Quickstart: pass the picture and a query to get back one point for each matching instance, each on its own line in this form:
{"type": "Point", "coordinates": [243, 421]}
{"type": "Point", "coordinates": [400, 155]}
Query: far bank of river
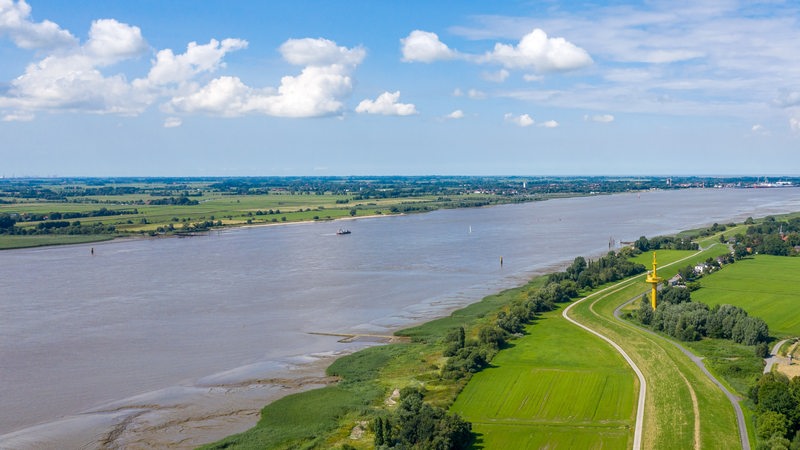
{"type": "Point", "coordinates": [173, 338]}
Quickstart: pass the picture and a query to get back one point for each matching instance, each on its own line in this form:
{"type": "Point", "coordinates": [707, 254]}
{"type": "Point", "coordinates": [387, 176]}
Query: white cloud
{"type": "Point", "coordinates": [111, 41]}
{"type": "Point", "coordinates": [171, 68]}
{"type": "Point", "coordinates": [15, 22]}
{"type": "Point", "coordinates": [72, 80]}
{"type": "Point", "coordinates": [523, 120]}
{"type": "Point", "coordinates": [794, 124]}
{"type": "Point", "coordinates": [424, 46]}
{"type": "Point", "coordinates": [496, 77]}
{"type": "Point", "coordinates": [320, 52]}
{"type": "Point", "coordinates": [387, 105]}
{"type": "Point", "coordinates": [457, 92]}
{"type": "Point", "coordinates": [172, 122]}
{"type": "Point", "coordinates": [723, 58]}
{"type": "Point", "coordinates": [541, 53]}
{"type": "Point", "coordinates": [549, 124]}
{"type": "Point", "coordinates": [319, 89]}
{"type": "Point", "coordinates": [457, 114]}
{"type": "Point", "coordinates": [601, 118]}
{"type": "Point", "coordinates": [531, 77]}
{"type": "Point", "coordinates": [535, 51]}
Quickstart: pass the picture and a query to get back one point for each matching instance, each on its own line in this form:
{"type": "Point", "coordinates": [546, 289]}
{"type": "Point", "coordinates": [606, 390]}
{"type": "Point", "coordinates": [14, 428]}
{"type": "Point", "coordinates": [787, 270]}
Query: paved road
{"type": "Point", "coordinates": [637, 431]}
{"type": "Point", "coordinates": [773, 357]}
{"type": "Point", "coordinates": [734, 399]}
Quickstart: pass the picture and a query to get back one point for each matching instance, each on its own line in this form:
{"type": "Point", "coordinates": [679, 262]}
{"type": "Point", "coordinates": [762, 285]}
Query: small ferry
{"type": "Point", "coordinates": [342, 231]}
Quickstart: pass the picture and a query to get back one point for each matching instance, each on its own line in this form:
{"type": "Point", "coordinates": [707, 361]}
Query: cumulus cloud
{"type": "Point", "coordinates": [70, 78]}
{"type": "Point", "coordinates": [15, 22]}
{"type": "Point", "coordinates": [424, 46]}
{"type": "Point", "coordinates": [111, 41]}
{"type": "Point", "coordinates": [320, 52]}
{"type": "Point", "coordinates": [549, 124]}
{"type": "Point", "coordinates": [535, 51]}
{"type": "Point", "coordinates": [319, 89]}
{"type": "Point", "coordinates": [539, 52]}
{"type": "Point", "coordinates": [523, 120]}
{"type": "Point", "coordinates": [386, 104]}
{"type": "Point", "coordinates": [600, 118]}
{"type": "Point", "coordinates": [794, 124]}
{"type": "Point", "coordinates": [457, 114]}
{"type": "Point", "coordinates": [172, 122]}
{"type": "Point", "coordinates": [171, 68]}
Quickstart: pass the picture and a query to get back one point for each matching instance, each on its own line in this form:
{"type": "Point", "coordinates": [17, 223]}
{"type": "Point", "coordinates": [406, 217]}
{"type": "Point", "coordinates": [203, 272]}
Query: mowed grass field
{"type": "Point", "coordinates": [557, 387]}
{"type": "Point", "coordinates": [765, 286]}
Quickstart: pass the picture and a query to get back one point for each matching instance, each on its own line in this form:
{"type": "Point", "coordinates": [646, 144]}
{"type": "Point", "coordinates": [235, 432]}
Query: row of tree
{"type": "Point", "coordinates": [53, 227]}
{"type": "Point", "coordinates": [679, 317]}
{"type": "Point", "coordinates": [667, 242]}
{"type": "Point", "coordinates": [613, 266]}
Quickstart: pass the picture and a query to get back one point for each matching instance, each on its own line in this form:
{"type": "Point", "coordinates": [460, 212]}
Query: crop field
{"type": "Point", "coordinates": [765, 286]}
{"type": "Point", "coordinates": [557, 387]}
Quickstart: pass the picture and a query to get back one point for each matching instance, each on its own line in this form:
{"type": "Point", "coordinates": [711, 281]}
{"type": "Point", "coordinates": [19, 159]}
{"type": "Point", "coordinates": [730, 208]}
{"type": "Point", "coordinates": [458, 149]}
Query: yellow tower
{"type": "Point", "coordinates": [653, 279]}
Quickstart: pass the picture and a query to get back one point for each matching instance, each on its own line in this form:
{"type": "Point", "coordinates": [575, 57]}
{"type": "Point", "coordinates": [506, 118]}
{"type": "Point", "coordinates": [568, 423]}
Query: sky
{"type": "Point", "coordinates": [415, 87]}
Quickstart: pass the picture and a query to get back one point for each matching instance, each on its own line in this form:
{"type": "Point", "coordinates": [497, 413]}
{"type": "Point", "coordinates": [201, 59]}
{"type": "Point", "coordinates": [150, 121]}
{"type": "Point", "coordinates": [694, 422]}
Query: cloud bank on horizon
{"type": "Point", "coordinates": [597, 66]}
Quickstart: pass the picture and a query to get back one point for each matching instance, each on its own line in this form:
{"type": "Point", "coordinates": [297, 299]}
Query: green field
{"type": "Point", "coordinates": [765, 286]}
{"type": "Point", "coordinates": [557, 387]}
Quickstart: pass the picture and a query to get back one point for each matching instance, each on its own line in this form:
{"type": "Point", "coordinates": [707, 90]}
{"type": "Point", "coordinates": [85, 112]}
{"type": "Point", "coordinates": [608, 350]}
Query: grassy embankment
{"type": "Point", "coordinates": [324, 418]}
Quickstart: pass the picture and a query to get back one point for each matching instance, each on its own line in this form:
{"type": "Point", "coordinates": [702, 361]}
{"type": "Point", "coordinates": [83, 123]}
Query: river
{"type": "Point", "coordinates": [188, 336]}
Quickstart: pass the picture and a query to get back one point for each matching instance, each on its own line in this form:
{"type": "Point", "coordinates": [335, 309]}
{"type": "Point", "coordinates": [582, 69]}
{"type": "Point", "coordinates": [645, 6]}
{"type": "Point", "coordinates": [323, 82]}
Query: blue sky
{"type": "Point", "coordinates": [235, 88]}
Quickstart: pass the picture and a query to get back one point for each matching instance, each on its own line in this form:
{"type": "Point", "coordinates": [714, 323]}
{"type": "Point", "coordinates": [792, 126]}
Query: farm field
{"type": "Point", "coordinates": [557, 387]}
{"type": "Point", "coordinates": [765, 286]}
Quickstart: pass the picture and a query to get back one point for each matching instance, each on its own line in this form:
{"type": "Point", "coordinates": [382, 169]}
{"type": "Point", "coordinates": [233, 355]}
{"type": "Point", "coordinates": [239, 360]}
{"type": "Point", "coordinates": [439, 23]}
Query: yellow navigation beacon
{"type": "Point", "coordinates": [653, 279]}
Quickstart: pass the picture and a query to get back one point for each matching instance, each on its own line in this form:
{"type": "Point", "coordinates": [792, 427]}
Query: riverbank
{"type": "Point", "coordinates": [179, 310]}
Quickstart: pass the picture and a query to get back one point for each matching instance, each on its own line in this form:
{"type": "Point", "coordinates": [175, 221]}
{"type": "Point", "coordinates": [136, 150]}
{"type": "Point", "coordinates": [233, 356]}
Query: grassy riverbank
{"type": "Point", "coordinates": [327, 417]}
{"type": "Point", "coordinates": [554, 385]}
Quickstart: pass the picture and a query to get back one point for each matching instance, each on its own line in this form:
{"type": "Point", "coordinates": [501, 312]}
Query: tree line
{"type": "Point", "coordinates": [678, 316]}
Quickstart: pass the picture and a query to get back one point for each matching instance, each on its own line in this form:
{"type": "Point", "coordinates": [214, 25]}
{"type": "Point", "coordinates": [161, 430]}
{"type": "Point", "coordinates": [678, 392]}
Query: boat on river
{"type": "Point", "coordinates": [341, 231]}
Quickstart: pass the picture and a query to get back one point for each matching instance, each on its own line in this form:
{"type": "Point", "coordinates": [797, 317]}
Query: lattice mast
{"type": "Point", "coordinates": [653, 279]}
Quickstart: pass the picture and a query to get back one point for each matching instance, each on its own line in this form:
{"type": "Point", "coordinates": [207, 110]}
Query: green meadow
{"type": "Point", "coordinates": [557, 387]}
{"type": "Point", "coordinates": [765, 286]}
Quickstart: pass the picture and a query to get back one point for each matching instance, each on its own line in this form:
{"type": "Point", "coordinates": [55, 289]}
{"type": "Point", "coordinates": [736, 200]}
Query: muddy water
{"type": "Point", "coordinates": [102, 349]}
